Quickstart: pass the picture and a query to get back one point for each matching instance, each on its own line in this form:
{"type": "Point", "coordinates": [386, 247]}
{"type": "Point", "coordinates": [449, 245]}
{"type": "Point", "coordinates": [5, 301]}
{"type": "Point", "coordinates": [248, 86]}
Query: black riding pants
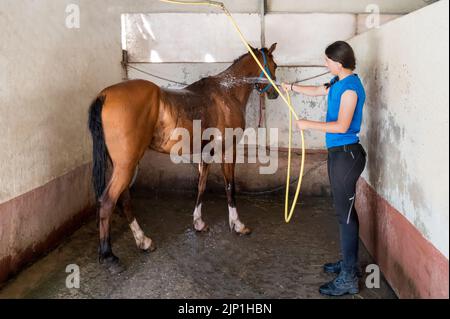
{"type": "Point", "coordinates": [344, 169]}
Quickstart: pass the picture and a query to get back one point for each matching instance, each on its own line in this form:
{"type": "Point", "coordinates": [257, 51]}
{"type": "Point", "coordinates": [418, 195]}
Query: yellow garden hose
{"type": "Point", "coordinates": [287, 100]}
{"type": "Point", "coordinates": [288, 216]}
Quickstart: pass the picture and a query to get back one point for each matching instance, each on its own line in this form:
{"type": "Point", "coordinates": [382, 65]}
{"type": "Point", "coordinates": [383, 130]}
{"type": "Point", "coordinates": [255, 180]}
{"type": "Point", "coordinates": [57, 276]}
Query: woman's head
{"type": "Point", "coordinates": [338, 56]}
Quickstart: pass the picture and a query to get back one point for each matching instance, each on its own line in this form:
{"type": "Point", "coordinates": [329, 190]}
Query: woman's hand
{"type": "Point", "coordinates": [286, 86]}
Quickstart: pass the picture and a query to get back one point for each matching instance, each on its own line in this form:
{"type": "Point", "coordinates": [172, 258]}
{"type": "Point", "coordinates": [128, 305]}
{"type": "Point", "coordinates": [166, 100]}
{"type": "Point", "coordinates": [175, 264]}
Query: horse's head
{"type": "Point", "coordinates": [266, 58]}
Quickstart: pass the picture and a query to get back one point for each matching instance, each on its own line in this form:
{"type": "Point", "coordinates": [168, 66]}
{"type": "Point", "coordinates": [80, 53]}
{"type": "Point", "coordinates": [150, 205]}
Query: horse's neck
{"type": "Point", "coordinates": [236, 79]}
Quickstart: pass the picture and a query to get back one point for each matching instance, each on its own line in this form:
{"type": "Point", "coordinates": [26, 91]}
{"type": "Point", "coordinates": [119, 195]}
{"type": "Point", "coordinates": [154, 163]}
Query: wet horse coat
{"type": "Point", "coordinates": [129, 117]}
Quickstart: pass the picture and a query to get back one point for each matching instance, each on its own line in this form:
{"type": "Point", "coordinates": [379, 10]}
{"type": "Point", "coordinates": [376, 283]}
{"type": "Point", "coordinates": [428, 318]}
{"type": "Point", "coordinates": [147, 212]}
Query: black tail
{"type": "Point", "coordinates": [99, 151]}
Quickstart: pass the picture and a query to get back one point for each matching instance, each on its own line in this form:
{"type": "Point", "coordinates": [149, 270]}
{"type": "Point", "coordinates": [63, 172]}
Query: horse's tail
{"type": "Point", "coordinates": [99, 151]}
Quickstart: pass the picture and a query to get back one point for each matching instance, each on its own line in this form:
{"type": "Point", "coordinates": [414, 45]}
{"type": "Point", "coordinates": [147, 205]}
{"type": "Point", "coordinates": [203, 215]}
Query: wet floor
{"type": "Point", "coordinates": [277, 260]}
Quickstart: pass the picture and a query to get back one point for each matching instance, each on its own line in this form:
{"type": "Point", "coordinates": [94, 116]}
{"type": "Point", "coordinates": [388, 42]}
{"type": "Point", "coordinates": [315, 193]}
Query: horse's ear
{"type": "Point", "coordinates": [272, 48]}
{"type": "Point", "coordinates": [253, 49]}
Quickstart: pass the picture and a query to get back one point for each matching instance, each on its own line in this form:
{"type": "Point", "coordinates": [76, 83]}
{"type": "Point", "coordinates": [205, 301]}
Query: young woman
{"type": "Point", "coordinates": [346, 157]}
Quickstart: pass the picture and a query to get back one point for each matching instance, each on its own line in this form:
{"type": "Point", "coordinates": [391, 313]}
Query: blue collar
{"type": "Point", "coordinates": [262, 75]}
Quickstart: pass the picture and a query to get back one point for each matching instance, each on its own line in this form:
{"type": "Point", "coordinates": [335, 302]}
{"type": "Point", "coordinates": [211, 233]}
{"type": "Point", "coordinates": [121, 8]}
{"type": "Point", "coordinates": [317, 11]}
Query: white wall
{"type": "Point", "coordinates": [49, 75]}
{"type": "Point", "coordinates": [404, 67]}
{"type": "Point", "coordinates": [303, 37]}
{"type": "Point", "coordinates": [204, 37]}
{"type": "Point", "coordinates": [347, 6]}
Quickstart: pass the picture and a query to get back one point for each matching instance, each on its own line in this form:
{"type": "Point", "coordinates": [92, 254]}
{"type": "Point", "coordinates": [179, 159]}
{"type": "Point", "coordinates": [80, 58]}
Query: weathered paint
{"type": "Point", "coordinates": [347, 6]}
{"type": "Point", "coordinates": [412, 265]}
{"type": "Point", "coordinates": [404, 205]}
{"type": "Point", "coordinates": [405, 128]}
{"type": "Point", "coordinates": [35, 222]}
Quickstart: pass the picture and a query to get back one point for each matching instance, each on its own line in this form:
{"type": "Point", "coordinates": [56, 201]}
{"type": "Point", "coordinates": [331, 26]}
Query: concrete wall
{"type": "Point", "coordinates": [405, 131]}
{"type": "Point", "coordinates": [49, 76]}
{"type": "Point", "coordinates": [347, 6]}
{"type": "Point", "coordinates": [158, 38]}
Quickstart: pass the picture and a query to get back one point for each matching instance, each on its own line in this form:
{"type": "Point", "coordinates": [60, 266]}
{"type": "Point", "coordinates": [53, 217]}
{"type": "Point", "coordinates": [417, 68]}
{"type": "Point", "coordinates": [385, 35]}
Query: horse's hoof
{"type": "Point", "coordinates": [239, 228]}
{"type": "Point", "coordinates": [244, 231]}
{"type": "Point", "coordinates": [201, 227]}
{"type": "Point", "coordinates": [147, 245]}
{"type": "Point", "coordinates": [152, 247]}
{"type": "Point", "coordinates": [112, 264]}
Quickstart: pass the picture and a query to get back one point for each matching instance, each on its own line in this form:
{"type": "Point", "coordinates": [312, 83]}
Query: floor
{"type": "Point", "coordinates": [277, 260]}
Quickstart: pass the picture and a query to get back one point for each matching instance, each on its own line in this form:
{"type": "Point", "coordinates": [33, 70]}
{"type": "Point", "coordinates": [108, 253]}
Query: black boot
{"type": "Point", "coordinates": [335, 268]}
{"type": "Point", "coordinates": [345, 283]}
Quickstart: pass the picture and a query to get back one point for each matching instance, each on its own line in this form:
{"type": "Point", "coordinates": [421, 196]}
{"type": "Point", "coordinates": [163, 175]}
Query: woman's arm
{"type": "Point", "coordinates": [346, 110]}
{"type": "Point", "coordinates": [306, 89]}
{"type": "Point", "coordinates": [310, 90]}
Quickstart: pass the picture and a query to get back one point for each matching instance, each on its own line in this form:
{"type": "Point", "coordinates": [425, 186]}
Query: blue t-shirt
{"type": "Point", "coordinates": [351, 82]}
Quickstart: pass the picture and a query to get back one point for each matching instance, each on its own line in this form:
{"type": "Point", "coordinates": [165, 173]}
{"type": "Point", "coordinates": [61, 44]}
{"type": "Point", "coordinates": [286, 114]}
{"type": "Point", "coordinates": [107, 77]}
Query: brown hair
{"type": "Point", "coordinates": [342, 52]}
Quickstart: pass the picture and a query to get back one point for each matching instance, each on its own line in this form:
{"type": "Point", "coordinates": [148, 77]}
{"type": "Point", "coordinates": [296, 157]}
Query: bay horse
{"type": "Point", "coordinates": [127, 118]}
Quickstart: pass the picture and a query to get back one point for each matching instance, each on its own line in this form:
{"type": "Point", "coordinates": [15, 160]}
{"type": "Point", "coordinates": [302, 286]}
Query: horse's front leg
{"type": "Point", "coordinates": [199, 224]}
{"type": "Point", "coordinates": [235, 224]}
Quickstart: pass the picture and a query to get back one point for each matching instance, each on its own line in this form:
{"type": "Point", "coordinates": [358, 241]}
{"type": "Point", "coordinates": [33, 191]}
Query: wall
{"type": "Point", "coordinates": [348, 6]}
{"type": "Point", "coordinates": [403, 197]}
{"type": "Point", "coordinates": [49, 76]}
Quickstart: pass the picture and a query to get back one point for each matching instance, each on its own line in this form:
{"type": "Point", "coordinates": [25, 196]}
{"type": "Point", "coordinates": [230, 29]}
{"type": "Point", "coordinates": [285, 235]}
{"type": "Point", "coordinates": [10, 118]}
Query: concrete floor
{"type": "Point", "coordinates": [277, 260]}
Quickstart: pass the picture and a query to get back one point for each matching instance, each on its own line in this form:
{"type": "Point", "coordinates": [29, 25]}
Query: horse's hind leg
{"type": "Point", "coordinates": [142, 241]}
{"type": "Point", "coordinates": [199, 224]}
{"type": "Point", "coordinates": [119, 181]}
{"type": "Point", "coordinates": [235, 224]}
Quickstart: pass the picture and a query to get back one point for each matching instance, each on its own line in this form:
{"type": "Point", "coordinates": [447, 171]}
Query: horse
{"type": "Point", "coordinates": [127, 118]}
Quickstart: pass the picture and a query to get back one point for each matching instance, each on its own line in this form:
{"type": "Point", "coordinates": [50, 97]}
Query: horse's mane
{"type": "Point", "coordinates": [247, 53]}
{"type": "Point", "coordinates": [204, 81]}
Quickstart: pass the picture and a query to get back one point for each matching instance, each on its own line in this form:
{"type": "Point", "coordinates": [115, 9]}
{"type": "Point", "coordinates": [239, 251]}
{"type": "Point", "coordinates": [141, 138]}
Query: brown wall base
{"type": "Point", "coordinates": [411, 264]}
{"type": "Point", "coordinates": [158, 173]}
{"type": "Point", "coordinates": [34, 223]}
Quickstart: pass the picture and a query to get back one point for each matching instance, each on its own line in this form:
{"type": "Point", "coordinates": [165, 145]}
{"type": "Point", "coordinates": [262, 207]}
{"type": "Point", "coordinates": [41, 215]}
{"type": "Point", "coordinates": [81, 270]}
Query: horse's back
{"type": "Point", "coordinates": [133, 91]}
